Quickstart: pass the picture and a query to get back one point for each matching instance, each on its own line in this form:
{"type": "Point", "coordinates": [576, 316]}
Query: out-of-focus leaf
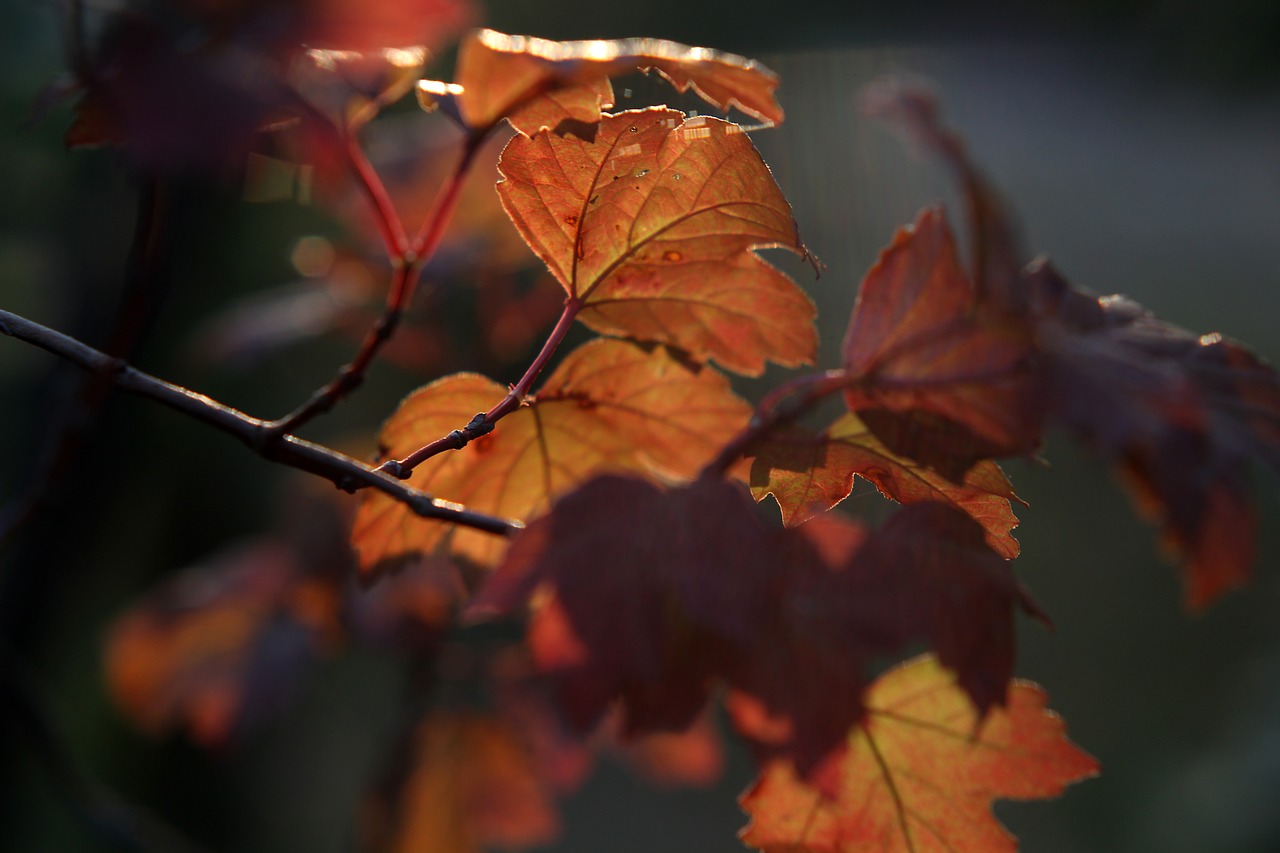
{"type": "Point", "coordinates": [920, 773]}
{"type": "Point", "coordinates": [536, 83]}
{"type": "Point", "coordinates": [610, 406]}
{"type": "Point", "coordinates": [651, 227]}
{"type": "Point", "coordinates": [473, 786]}
{"type": "Point", "coordinates": [221, 645]}
{"type": "Point", "coordinates": [352, 86]}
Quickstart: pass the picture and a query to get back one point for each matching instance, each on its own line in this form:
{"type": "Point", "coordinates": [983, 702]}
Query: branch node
{"type": "Point", "coordinates": [395, 469]}
{"type": "Point", "coordinates": [478, 425]}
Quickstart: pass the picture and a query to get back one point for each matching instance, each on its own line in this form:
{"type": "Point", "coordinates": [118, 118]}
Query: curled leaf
{"type": "Point", "coordinates": [536, 83]}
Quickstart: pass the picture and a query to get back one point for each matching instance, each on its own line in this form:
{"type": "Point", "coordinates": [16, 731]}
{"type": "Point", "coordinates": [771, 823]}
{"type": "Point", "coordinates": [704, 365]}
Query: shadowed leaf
{"type": "Point", "coordinates": [789, 618]}
{"type": "Point", "coordinates": [808, 474]}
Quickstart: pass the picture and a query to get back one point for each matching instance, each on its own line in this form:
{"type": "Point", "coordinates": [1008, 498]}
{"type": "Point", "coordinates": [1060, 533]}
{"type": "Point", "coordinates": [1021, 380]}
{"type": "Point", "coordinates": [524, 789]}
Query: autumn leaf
{"type": "Point", "coordinates": [808, 474]}
{"type": "Point", "coordinates": [610, 406]}
{"type": "Point", "coordinates": [1179, 414]}
{"type": "Point", "coordinates": [221, 645]}
{"type": "Point", "coordinates": [788, 617]}
{"type": "Point", "coordinates": [536, 83]}
{"type": "Point", "coordinates": [920, 772]}
{"type": "Point", "coordinates": [651, 226]}
{"type": "Point", "coordinates": [351, 86]}
{"type": "Point", "coordinates": [473, 785]}
{"type": "Point", "coordinates": [955, 384]}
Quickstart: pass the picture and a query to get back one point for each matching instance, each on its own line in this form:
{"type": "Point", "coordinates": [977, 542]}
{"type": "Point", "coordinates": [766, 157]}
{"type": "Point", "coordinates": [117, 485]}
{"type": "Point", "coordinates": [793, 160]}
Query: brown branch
{"type": "Point", "coordinates": [342, 470]}
{"type": "Point", "coordinates": [483, 423]}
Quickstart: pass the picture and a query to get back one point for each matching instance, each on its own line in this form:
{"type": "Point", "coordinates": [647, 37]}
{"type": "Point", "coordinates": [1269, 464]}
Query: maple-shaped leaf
{"type": "Point", "coordinates": [473, 785]}
{"type": "Point", "coordinates": [936, 376]}
{"type": "Point", "coordinates": [788, 617]}
{"type": "Point", "coordinates": [808, 474]}
{"type": "Point", "coordinates": [920, 773]}
{"type": "Point", "coordinates": [609, 406]}
{"type": "Point", "coordinates": [221, 645]}
{"type": "Point", "coordinates": [651, 228]}
{"type": "Point", "coordinates": [536, 83]}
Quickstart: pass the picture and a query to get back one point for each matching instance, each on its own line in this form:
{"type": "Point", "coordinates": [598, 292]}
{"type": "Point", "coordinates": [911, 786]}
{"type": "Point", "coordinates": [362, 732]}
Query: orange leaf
{"type": "Point", "coordinates": [808, 474]}
{"type": "Point", "coordinates": [610, 406]}
{"type": "Point", "coordinates": [651, 226]}
{"type": "Point", "coordinates": [219, 645]}
{"type": "Point", "coordinates": [536, 83]}
{"type": "Point", "coordinates": [920, 772]}
{"type": "Point", "coordinates": [473, 785]}
{"type": "Point", "coordinates": [954, 382]}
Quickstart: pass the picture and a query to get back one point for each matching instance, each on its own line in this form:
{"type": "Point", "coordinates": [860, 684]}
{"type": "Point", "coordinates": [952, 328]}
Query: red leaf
{"type": "Point", "coordinates": [808, 474]}
{"type": "Point", "coordinates": [789, 617]}
{"type": "Point", "coordinates": [1179, 414]}
{"type": "Point", "coordinates": [652, 225]}
{"type": "Point", "coordinates": [920, 773]}
{"type": "Point", "coordinates": [921, 347]}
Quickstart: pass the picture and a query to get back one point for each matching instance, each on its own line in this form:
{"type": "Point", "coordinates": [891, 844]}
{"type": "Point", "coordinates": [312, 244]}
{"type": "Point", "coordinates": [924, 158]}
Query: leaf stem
{"type": "Point", "coordinates": [484, 422]}
{"type": "Point", "coordinates": [780, 407]}
{"type": "Point", "coordinates": [407, 259]}
{"type": "Point", "coordinates": [342, 470]}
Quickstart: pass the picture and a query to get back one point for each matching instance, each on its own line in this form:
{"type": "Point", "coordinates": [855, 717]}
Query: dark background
{"type": "Point", "coordinates": [1139, 142]}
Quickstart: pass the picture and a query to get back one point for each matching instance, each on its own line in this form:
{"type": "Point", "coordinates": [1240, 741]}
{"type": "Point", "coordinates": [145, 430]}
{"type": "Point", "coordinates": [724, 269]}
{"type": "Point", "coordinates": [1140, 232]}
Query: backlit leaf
{"type": "Point", "coordinates": [808, 474]}
{"type": "Point", "coordinates": [610, 406]}
{"type": "Point", "coordinates": [955, 383]}
{"type": "Point", "coordinates": [536, 83]}
{"type": "Point", "coordinates": [920, 773]}
{"type": "Point", "coordinates": [651, 227]}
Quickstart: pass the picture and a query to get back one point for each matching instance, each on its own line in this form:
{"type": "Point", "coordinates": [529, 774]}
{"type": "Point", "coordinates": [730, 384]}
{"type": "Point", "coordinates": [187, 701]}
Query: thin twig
{"type": "Point", "coordinates": [342, 470]}
{"type": "Point", "coordinates": [484, 422]}
{"type": "Point", "coordinates": [407, 259]}
{"type": "Point", "coordinates": [106, 813]}
{"type": "Point", "coordinates": [780, 407]}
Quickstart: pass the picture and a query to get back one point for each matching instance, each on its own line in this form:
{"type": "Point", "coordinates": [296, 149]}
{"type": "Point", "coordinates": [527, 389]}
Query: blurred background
{"type": "Point", "coordinates": [1137, 140]}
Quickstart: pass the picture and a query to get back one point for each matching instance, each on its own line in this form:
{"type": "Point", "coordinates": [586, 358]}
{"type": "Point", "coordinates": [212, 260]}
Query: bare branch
{"type": "Point", "coordinates": [342, 470]}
